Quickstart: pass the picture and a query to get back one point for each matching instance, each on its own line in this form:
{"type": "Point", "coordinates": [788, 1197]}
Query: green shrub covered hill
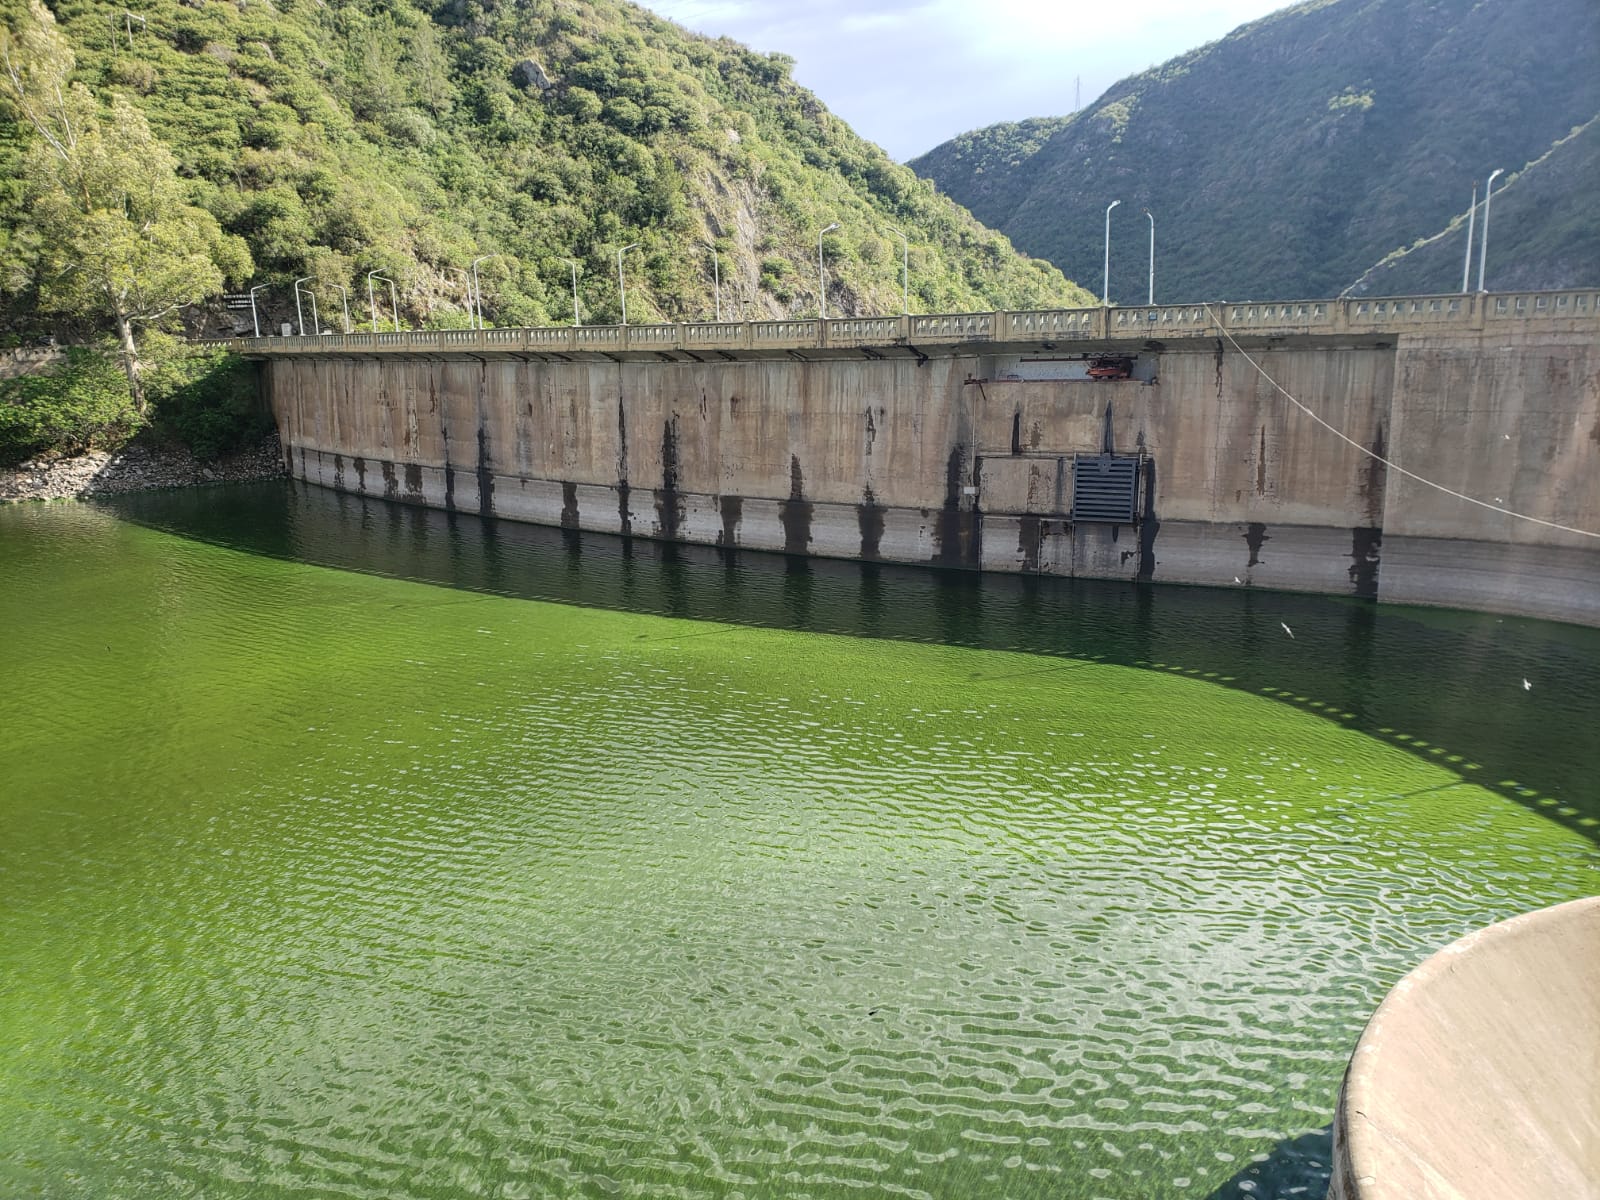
{"type": "Point", "coordinates": [1290, 158]}
{"type": "Point", "coordinates": [222, 144]}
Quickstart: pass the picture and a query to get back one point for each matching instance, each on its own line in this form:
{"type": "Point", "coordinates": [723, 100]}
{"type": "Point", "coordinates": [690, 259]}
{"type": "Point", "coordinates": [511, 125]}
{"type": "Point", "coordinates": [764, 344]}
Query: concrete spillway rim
{"type": "Point", "coordinates": [1365, 1143]}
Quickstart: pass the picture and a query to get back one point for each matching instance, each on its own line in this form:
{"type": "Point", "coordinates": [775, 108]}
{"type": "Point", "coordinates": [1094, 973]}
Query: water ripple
{"type": "Point", "coordinates": [372, 892]}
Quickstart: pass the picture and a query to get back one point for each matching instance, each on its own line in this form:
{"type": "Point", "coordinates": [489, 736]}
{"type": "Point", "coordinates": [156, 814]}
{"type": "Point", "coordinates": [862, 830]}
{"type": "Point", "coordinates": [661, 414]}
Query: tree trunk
{"type": "Point", "coordinates": [130, 359]}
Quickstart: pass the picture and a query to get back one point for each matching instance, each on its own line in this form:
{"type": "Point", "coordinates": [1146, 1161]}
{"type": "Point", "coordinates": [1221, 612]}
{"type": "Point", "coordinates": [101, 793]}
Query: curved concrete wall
{"type": "Point", "coordinates": [963, 455]}
{"type": "Point", "coordinates": [1479, 1075]}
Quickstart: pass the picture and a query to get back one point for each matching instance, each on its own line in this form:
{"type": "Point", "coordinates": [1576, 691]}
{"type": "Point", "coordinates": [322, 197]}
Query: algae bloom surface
{"type": "Point", "coordinates": [356, 851]}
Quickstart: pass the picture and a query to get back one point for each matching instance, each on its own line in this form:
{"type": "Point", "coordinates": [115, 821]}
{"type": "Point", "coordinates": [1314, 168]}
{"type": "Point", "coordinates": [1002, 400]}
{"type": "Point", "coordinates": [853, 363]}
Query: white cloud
{"type": "Point", "coordinates": [910, 73]}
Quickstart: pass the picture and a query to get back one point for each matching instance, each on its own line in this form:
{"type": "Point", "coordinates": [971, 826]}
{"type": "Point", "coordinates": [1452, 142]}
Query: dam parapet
{"type": "Point", "coordinates": [1565, 311]}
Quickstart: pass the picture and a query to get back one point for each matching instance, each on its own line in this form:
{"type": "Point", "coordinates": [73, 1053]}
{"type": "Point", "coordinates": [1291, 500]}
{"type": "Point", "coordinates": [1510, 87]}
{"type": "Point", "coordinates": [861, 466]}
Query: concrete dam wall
{"type": "Point", "coordinates": [985, 454]}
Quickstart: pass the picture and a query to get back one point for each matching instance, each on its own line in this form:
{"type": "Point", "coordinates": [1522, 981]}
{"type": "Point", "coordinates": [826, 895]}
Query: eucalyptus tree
{"type": "Point", "coordinates": [116, 238]}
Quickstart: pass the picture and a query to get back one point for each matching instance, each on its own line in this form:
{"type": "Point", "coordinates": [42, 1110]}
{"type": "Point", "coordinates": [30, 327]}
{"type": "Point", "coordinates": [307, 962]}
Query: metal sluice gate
{"type": "Point", "coordinates": [1105, 488]}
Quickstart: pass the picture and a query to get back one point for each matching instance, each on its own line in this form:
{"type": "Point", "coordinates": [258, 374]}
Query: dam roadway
{"type": "Point", "coordinates": [983, 441]}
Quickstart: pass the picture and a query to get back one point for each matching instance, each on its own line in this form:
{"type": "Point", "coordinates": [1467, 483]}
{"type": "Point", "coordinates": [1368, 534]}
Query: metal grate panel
{"type": "Point", "coordinates": [1105, 488]}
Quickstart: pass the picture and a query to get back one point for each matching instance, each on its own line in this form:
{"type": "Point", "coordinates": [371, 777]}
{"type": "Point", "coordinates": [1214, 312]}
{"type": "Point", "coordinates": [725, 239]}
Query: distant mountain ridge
{"type": "Point", "coordinates": [1292, 157]}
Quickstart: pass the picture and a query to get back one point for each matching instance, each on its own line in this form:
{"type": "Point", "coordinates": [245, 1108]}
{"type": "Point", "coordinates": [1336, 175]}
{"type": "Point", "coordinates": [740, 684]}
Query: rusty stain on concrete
{"type": "Point", "coordinates": [1030, 535]}
{"type": "Point", "coordinates": [732, 509]}
{"type": "Point", "coordinates": [1374, 478]}
{"type": "Point", "coordinates": [624, 513]}
{"type": "Point", "coordinates": [669, 498]}
{"type": "Point", "coordinates": [958, 532]}
{"type": "Point", "coordinates": [869, 523]}
{"type": "Point", "coordinates": [1149, 525]}
{"type": "Point", "coordinates": [1365, 544]}
{"type": "Point", "coordinates": [1255, 534]}
{"type": "Point", "coordinates": [795, 513]}
{"type": "Point", "coordinates": [485, 475]}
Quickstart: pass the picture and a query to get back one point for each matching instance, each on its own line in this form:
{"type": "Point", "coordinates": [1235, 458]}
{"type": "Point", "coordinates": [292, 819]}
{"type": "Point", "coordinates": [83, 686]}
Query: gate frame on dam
{"type": "Point", "coordinates": [954, 439]}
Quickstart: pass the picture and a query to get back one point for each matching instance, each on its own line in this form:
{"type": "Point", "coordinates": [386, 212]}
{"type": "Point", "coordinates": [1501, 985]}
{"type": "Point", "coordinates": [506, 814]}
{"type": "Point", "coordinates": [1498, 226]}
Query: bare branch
{"type": "Point", "coordinates": [18, 94]}
{"type": "Point", "coordinates": [146, 318]}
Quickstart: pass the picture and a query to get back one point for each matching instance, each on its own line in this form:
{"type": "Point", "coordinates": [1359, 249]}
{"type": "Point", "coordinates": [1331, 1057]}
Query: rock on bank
{"type": "Point", "coordinates": [135, 469]}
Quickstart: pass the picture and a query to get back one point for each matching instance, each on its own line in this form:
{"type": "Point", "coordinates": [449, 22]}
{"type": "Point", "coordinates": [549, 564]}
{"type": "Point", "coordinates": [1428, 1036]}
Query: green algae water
{"type": "Point", "coordinates": [351, 850]}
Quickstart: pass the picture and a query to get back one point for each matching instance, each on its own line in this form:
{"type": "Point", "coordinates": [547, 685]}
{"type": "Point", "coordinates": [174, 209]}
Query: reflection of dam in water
{"type": "Point", "coordinates": [1387, 668]}
{"type": "Point", "coordinates": [727, 872]}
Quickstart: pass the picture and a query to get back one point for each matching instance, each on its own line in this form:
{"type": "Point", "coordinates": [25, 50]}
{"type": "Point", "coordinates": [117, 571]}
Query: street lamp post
{"type": "Point", "coordinates": [477, 291]}
{"type": "Point", "coordinates": [254, 319]}
{"type": "Point", "coordinates": [622, 287]}
{"type": "Point", "coordinates": [716, 276]}
{"type": "Point", "coordinates": [1150, 298]}
{"type": "Point", "coordinates": [1466, 263]}
{"type": "Point", "coordinates": [576, 318]}
{"type": "Point", "coordinates": [1483, 243]}
{"type": "Point", "coordinates": [1105, 294]}
{"type": "Point", "coordinates": [905, 270]}
{"type": "Point", "coordinates": [372, 305]}
{"type": "Point", "coordinates": [299, 313]}
{"type": "Point", "coordinates": [822, 279]}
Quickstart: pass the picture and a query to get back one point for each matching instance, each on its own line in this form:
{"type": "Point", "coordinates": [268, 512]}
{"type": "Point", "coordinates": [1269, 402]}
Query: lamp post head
{"type": "Point", "coordinates": [1112, 205]}
{"type": "Point", "coordinates": [1498, 171]}
{"type": "Point", "coordinates": [829, 228]}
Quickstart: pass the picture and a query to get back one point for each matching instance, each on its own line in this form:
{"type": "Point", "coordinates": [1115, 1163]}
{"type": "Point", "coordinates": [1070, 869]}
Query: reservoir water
{"type": "Point", "coordinates": [356, 850]}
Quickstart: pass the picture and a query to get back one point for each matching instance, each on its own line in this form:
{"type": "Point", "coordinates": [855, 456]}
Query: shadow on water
{"type": "Point", "coordinates": [1445, 685]}
{"type": "Point", "coordinates": [1297, 1169]}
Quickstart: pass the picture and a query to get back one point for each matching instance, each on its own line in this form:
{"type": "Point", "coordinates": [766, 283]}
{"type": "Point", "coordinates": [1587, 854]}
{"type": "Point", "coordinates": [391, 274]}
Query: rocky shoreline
{"type": "Point", "coordinates": [136, 469]}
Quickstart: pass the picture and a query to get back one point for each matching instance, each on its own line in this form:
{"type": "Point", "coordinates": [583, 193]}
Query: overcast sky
{"type": "Point", "coordinates": [909, 74]}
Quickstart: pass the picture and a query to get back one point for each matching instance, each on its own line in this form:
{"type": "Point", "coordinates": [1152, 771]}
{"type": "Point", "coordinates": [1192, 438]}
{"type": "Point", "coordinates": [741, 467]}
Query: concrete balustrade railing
{"type": "Point", "coordinates": [1573, 309]}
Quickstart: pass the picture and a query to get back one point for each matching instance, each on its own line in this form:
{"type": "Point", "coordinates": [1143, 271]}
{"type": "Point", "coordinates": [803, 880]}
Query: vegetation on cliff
{"type": "Point", "coordinates": [1288, 158]}
{"type": "Point", "coordinates": [105, 224]}
{"type": "Point", "coordinates": [1545, 232]}
{"type": "Point", "coordinates": [413, 137]}
{"type": "Point", "coordinates": [151, 159]}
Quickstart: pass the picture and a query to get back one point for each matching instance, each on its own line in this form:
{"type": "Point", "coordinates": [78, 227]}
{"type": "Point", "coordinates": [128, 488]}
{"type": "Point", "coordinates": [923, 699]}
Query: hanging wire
{"type": "Point", "coordinates": [1390, 464]}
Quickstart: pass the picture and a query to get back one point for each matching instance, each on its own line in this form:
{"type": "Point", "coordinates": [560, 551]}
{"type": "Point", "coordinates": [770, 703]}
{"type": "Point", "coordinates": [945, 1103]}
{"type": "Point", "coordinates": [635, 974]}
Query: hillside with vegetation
{"type": "Point", "coordinates": [1289, 158]}
{"type": "Point", "coordinates": [153, 157]}
{"type": "Point", "coordinates": [412, 137]}
{"type": "Point", "coordinates": [1543, 232]}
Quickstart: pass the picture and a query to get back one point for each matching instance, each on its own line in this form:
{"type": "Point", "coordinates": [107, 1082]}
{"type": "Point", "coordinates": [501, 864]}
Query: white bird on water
{"type": "Point", "coordinates": [1286, 629]}
{"type": "Point", "coordinates": [1526, 686]}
